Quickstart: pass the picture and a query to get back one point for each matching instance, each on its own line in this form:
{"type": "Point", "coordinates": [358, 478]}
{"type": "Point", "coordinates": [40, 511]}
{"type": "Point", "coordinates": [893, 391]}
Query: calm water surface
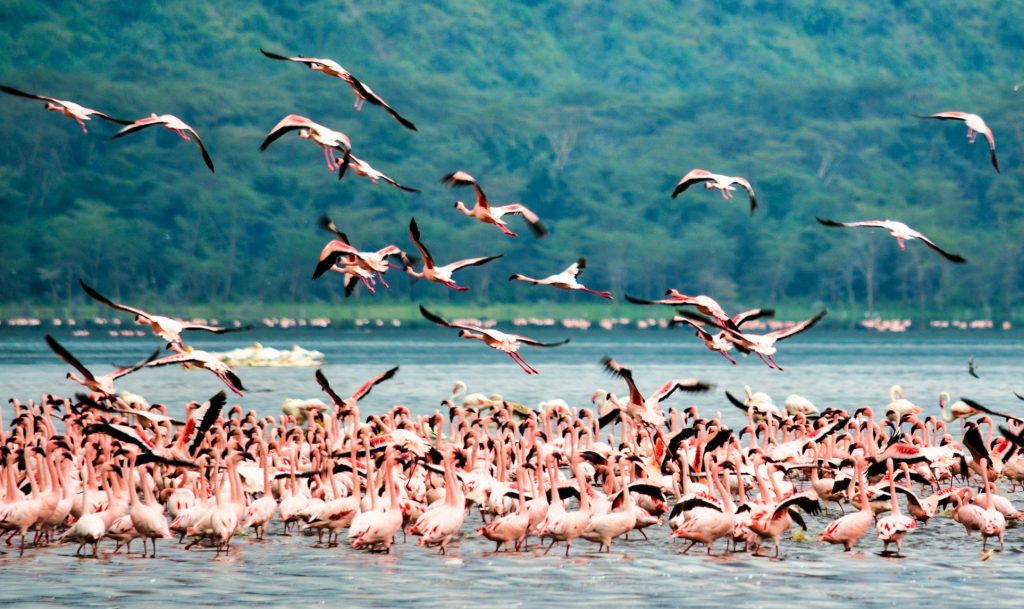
{"type": "Point", "coordinates": [831, 368]}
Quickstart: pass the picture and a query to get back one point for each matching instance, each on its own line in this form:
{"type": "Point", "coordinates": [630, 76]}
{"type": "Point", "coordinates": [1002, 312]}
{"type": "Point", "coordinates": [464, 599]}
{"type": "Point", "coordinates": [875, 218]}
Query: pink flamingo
{"type": "Point", "coordinates": [900, 231]}
{"type": "Point", "coordinates": [432, 272]}
{"type": "Point", "coordinates": [714, 180]}
{"type": "Point", "coordinates": [484, 212]}
{"type": "Point", "coordinates": [566, 280]}
{"type": "Point", "coordinates": [328, 139]}
{"type": "Point", "coordinates": [975, 125]}
{"type": "Point", "coordinates": [67, 108]}
{"type": "Point", "coordinates": [362, 91]}
{"type": "Point", "coordinates": [502, 341]}
{"type": "Point", "coordinates": [100, 384]}
{"type": "Point", "coordinates": [848, 529]}
{"type": "Point", "coordinates": [894, 527]}
{"type": "Point", "coordinates": [172, 123]}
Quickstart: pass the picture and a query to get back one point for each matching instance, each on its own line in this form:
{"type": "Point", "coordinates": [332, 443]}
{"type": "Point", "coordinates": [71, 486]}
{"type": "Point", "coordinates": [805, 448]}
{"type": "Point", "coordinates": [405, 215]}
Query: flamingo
{"type": "Point", "coordinates": [260, 512]}
{"type": "Point", "coordinates": [703, 303]}
{"type": "Point", "coordinates": [848, 529]}
{"type": "Point", "coordinates": [898, 406]}
{"type": "Point", "coordinates": [761, 344]}
{"type": "Point", "coordinates": [166, 328]}
{"type": "Point", "coordinates": [190, 358]}
{"type": "Point", "coordinates": [438, 274]}
{"type": "Point", "coordinates": [328, 139]}
{"type": "Point", "coordinates": [172, 123]}
{"type": "Point", "coordinates": [100, 384]}
{"type": "Point", "coordinates": [147, 517]}
{"type": "Point", "coordinates": [438, 525]}
{"type": "Point", "coordinates": [362, 168]}
{"type": "Point", "coordinates": [894, 527]}
{"type": "Point", "coordinates": [975, 125]}
{"type": "Point", "coordinates": [350, 403]}
{"type": "Point", "coordinates": [484, 212]}
{"type": "Point", "coordinates": [363, 92]}
{"type": "Point", "coordinates": [713, 180]}
{"type": "Point", "coordinates": [648, 409]}
{"type": "Point", "coordinates": [502, 341]}
{"type": "Point", "coordinates": [718, 342]}
{"type": "Point", "coordinates": [710, 524]}
{"type": "Point", "coordinates": [900, 231]}
{"type": "Point", "coordinates": [566, 280]}
{"type": "Point", "coordinates": [510, 527]}
{"type": "Point", "coordinates": [67, 108]}
{"type": "Point", "coordinates": [992, 522]}
{"type": "Point", "coordinates": [561, 524]}
{"type": "Point", "coordinates": [603, 528]}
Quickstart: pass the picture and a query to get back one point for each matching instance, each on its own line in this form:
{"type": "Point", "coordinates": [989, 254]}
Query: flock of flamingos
{"type": "Point", "coordinates": [105, 465]}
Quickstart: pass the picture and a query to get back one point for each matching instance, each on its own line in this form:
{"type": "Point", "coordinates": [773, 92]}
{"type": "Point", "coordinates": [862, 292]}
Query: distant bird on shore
{"type": "Point", "coordinates": [101, 384]}
{"type": "Point", "coordinates": [483, 211]}
{"type": "Point", "coordinates": [328, 139]}
{"type": "Point", "coordinates": [900, 231]}
{"type": "Point", "coordinates": [438, 274]}
{"type": "Point", "coordinates": [67, 108]}
{"type": "Point", "coordinates": [363, 92]}
{"type": "Point", "coordinates": [714, 180]}
{"type": "Point", "coordinates": [971, 368]}
{"type": "Point", "coordinates": [975, 125]}
{"type": "Point", "coordinates": [566, 280]}
{"type": "Point", "coordinates": [171, 122]}
{"type": "Point", "coordinates": [502, 341]}
{"type": "Point", "coordinates": [167, 328]}
{"type": "Point", "coordinates": [362, 168]}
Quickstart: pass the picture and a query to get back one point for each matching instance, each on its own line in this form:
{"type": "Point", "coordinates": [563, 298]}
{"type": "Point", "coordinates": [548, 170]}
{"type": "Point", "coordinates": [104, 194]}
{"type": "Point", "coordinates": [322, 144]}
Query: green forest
{"type": "Point", "coordinates": [587, 112]}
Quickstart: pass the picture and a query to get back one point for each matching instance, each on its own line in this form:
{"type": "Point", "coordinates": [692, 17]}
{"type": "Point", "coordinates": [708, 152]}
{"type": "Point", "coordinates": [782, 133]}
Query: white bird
{"type": "Point", "coordinates": [975, 125]}
{"type": "Point", "coordinates": [566, 280]}
{"type": "Point", "coordinates": [67, 108]}
{"type": "Point", "coordinates": [484, 212]}
{"type": "Point", "coordinates": [714, 180]}
{"type": "Point", "coordinates": [900, 231]}
{"type": "Point", "coordinates": [171, 122]}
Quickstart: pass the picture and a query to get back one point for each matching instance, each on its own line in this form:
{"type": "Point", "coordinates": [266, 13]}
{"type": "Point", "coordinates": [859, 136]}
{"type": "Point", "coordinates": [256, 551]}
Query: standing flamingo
{"type": "Point", "coordinates": [894, 527]}
{"type": "Point", "coordinates": [848, 529]}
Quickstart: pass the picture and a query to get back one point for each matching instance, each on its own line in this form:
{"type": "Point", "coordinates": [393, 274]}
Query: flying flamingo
{"type": "Point", "coordinates": [502, 341]}
{"type": "Point", "coordinates": [761, 344]}
{"type": "Point", "coordinates": [328, 139]}
{"type": "Point", "coordinates": [649, 409]}
{"type": "Point", "coordinates": [67, 108]}
{"type": "Point", "coordinates": [718, 342]}
{"type": "Point", "coordinates": [172, 123]}
{"type": "Point", "coordinates": [166, 328]}
{"type": "Point", "coordinates": [714, 180]}
{"type": "Point", "coordinates": [703, 303]}
{"type": "Point", "coordinates": [362, 91]}
{"type": "Point", "coordinates": [484, 212]}
{"type": "Point", "coordinates": [349, 404]}
{"type": "Point", "coordinates": [438, 274]}
{"type": "Point", "coordinates": [101, 384]}
{"type": "Point", "coordinates": [975, 125]}
{"type": "Point", "coordinates": [900, 231]}
{"type": "Point", "coordinates": [566, 280]}
{"type": "Point", "coordinates": [190, 358]}
{"type": "Point", "coordinates": [362, 168]}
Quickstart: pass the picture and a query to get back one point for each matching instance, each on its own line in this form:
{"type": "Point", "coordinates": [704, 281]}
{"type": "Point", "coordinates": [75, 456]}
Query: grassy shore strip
{"type": "Point", "coordinates": [408, 313]}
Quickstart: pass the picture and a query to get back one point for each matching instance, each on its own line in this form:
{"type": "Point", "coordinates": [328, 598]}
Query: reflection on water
{"type": "Point", "coordinates": [832, 369]}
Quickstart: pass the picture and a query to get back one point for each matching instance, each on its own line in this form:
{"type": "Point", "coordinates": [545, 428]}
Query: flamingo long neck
{"type": "Point", "coordinates": [895, 506]}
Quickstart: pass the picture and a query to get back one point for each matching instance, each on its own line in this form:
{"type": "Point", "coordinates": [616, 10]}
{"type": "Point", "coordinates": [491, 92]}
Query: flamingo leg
{"type": "Point", "coordinates": [381, 275]}
{"type": "Point", "coordinates": [971, 134]}
{"type": "Point", "coordinates": [359, 103]}
{"type": "Point", "coordinates": [182, 133]}
{"type": "Point", "coordinates": [505, 230]}
{"type": "Point", "coordinates": [81, 124]}
{"type": "Point", "coordinates": [329, 158]}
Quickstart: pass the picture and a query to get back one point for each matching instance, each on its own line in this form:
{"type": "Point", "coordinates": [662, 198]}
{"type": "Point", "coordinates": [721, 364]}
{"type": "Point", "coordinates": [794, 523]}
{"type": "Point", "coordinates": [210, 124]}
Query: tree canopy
{"type": "Point", "coordinates": [587, 112]}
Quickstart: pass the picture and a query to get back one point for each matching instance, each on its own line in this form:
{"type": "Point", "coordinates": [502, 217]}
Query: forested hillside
{"type": "Point", "coordinates": [587, 112]}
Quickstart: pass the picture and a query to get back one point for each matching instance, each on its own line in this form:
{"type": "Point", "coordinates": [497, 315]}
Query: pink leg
{"type": "Point", "coordinates": [329, 158]}
{"type": "Point", "coordinates": [607, 295]}
{"type": "Point", "coordinates": [368, 285]}
{"type": "Point", "coordinates": [81, 124]}
{"type": "Point", "coordinates": [903, 244]}
{"type": "Point", "coordinates": [728, 357]}
{"type": "Point", "coordinates": [182, 133]}
{"type": "Point", "coordinates": [381, 275]}
{"type": "Point", "coordinates": [971, 134]}
{"type": "Point", "coordinates": [359, 103]}
{"type": "Point", "coordinates": [505, 230]}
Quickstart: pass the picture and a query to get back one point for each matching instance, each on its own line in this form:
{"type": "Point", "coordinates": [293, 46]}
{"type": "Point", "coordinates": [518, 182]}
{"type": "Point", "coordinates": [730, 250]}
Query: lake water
{"type": "Point", "coordinates": [843, 369]}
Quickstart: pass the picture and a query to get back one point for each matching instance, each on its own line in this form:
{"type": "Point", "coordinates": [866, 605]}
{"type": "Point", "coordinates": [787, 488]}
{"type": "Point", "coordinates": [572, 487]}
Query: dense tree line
{"type": "Point", "coordinates": [587, 112]}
